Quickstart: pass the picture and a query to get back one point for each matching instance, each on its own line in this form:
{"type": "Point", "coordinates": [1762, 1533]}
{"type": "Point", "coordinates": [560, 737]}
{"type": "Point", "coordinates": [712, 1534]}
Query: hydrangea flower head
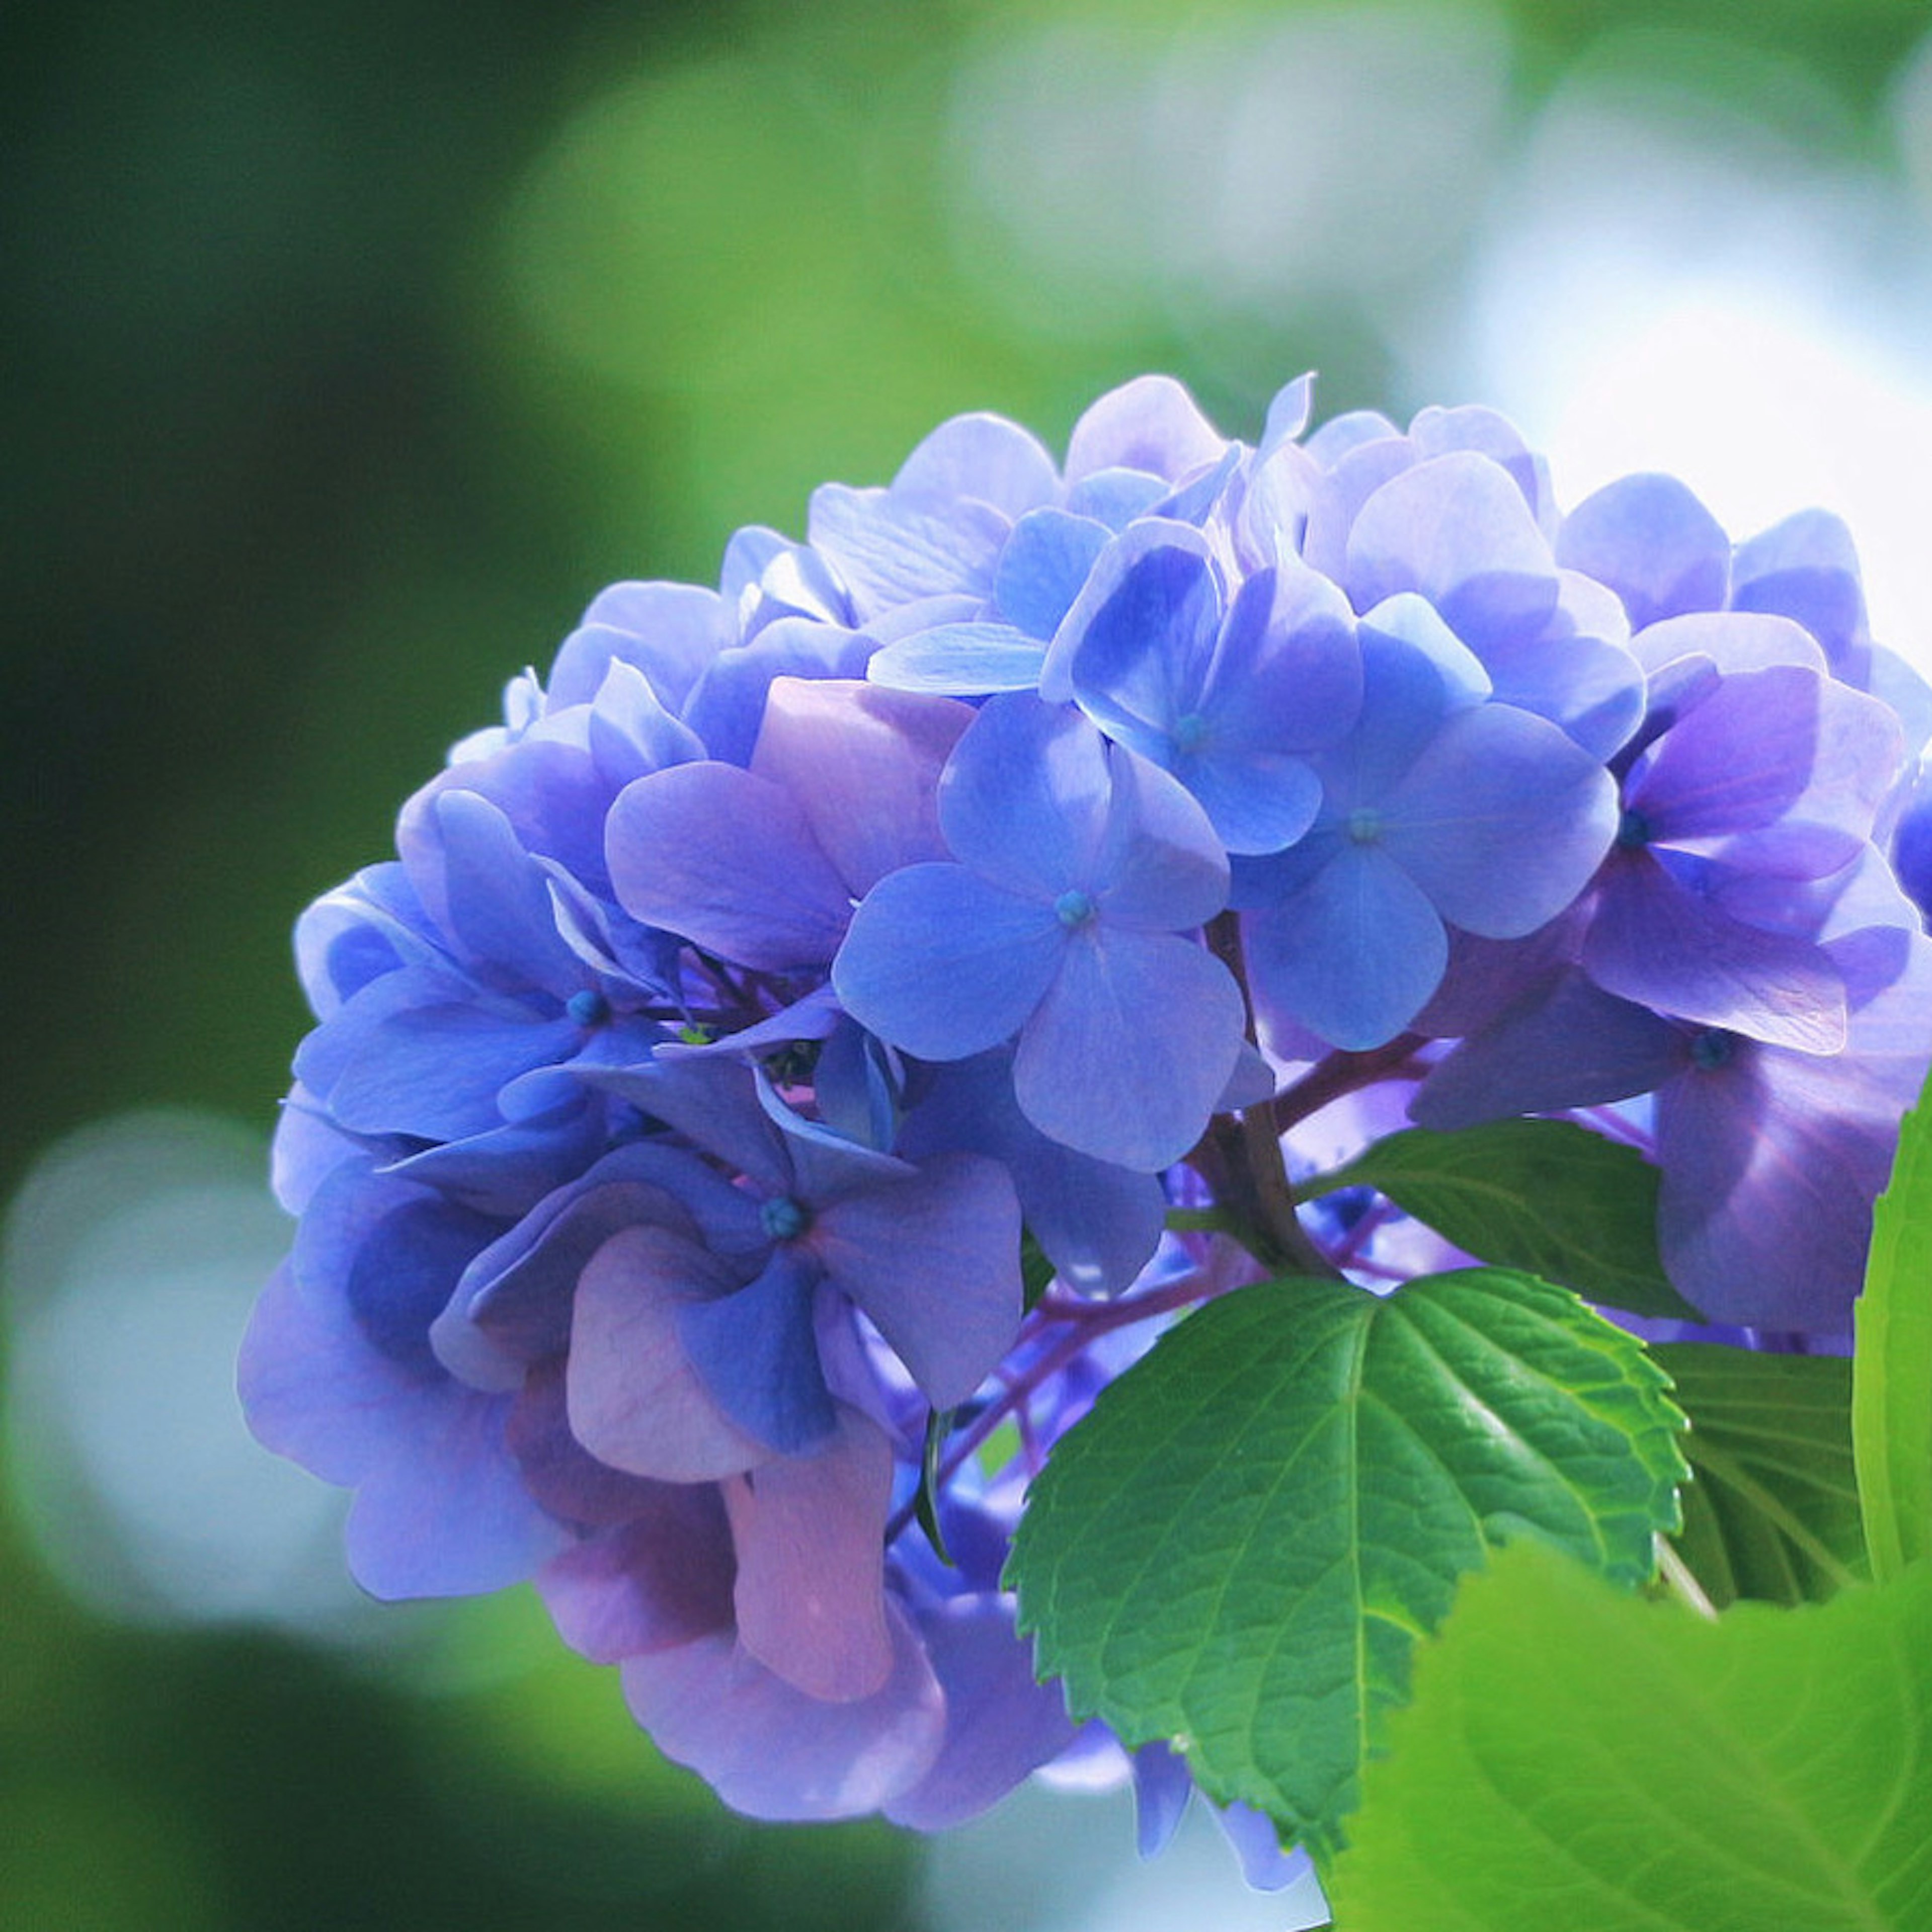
{"type": "Point", "coordinates": [838, 1017]}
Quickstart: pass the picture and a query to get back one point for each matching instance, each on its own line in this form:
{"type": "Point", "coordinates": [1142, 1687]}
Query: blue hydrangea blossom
{"type": "Point", "coordinates": [825, 1030]}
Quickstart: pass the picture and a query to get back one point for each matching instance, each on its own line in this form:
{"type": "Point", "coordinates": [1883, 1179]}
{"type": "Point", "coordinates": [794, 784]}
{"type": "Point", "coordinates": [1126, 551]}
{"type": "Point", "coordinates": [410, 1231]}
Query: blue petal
{"type": "Point", "coordinates": [1099, 1223]}
{"type": "Point", "coordinates": [1653, 543]}
{"type": "Point", "coordinates": [756, 1352]}
{"type": "Point", "coordinates": [1501, 820]}
{"type": "Point", "coordinates": [1134, 646]}
{"type": "Point", "coordinates": [1161, 866]}
{"type": "Point", "coordinates": [942, 963]}
{"type": "Point", "coordinates": [1131, 1048]}
{"type": "Point", "coordinates": [1025, 797]}
{"type": "Point", "coordinates": [1355, 954]}
{"type": "Point", "coordinates": [1045, 561]}
{"type": "Point", "coordinates": [1457, 530]}
{"type": "Point", "coordinates": [960, 660]}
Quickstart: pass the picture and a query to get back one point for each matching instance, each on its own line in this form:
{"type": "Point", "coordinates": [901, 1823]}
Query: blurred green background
{"type": "Point", "coordinates": [350, 350]}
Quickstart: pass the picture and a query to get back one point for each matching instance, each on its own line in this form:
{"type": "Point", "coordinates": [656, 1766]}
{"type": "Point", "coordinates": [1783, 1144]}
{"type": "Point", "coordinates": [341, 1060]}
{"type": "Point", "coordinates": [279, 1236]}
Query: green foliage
{"type": "Point", "coordinates": [1771, 1510]}
{"type": "Point", "coordinates": [1576, 1757]}
{"type": "Point", "coordinates": [1892, 1382]}
{"type": "Point", "coordinates": [1239, 1548]}
{"type": "Point", "coordinates": [1546, 1196]}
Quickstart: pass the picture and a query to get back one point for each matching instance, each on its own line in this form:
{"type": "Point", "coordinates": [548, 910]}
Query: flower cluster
{"type": "Point", "coordinates": [814, 1042]}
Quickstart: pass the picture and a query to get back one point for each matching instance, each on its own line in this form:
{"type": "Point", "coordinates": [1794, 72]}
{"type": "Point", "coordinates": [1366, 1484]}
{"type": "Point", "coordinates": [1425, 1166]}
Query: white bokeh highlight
{"type": "Point", "coordinates": [131, 1258]}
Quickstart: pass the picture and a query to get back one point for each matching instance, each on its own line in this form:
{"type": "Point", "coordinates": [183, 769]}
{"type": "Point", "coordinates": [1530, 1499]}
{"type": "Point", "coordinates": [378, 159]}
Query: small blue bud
{"type": "Point", "coordinates": [784, 1219]}
{"type": "Point", "coordinates": [1189, 732]}
{"type": "Point", "coordinates": [588, 1008]}
{"type": "Point", "coordinates": [1632, 830]}
{"type": "Point", "coordinates": [1713, 1048]}
{"type": "Point", "coordinates": [1364, 825]}
{"type": "Point", "coordinates": [1073, 909]}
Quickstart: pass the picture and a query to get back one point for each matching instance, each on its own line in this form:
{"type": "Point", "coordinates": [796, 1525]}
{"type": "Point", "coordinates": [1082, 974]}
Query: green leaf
{"type": "Point", "coordinates": [1238, 1548]}
{"type": "Point", "coordinates": [1546, 1196]}
{"type": "Point", "coordinates": [1036, 1270]}
{"type": "Point", "coordinates": [1578, 1757]}
{"type": "Point", "coordinates": [1892, 1367]}
{"type": "Point", "coordinates": [1771, 1509]}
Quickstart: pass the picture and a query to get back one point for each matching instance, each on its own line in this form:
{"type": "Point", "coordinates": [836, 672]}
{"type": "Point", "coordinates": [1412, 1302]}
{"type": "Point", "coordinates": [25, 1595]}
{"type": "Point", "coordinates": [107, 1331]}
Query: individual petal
{"type": "Point", "coordinates": [669, 631]}
{"type": "Point", "coordinates": [962, 660]}
{"type": "Point", "coordinates": [727, 705]}
{"type": "Point", "coordinates": [979, 458]}
{"type": "Point", "coordinates": [631, 732]}
{"type": "Point", "coordinates": [933, 1259]}
{"type": "Point", "coordinates": [826, 1165]}
{"type": "Point", "coordinates": [1651, 542]}
{"type": "Point", "coordinates": [1134, 646]}
{"type": "Point", "coordinates": [888, 550]}
{"type": "Point", "coordinates": [715, 1101]}
{"type": "Point", "coordinates": [1806, 569]}
{"type": "Point", "coordinates": [1256, 1840]}
{"type": "Point", "coordinates": [1025, 797]}
{"type": "Point", "coordinates": [450, 1516]}
{"type": "Point", "coordinates": [1001, 1724]}
{"type": "Point", "coordinates": [1131, 1047]}
{"type": "Point", "coordinates": [1667, 947]}
{"type": "Point", "coordinates": [361, 931]}
{"type": "Point", "coordinates": [439, 1509]}
{"type": "Point", "coordinates": [755, 1353]}
{"type": "Point", "coordinates": [1288, 413]}
{"type": "Point", "coordinates": [1256, 803]}
{"type": "Point", "coordinates": [1041, 570]}
{"type": "Point", "coordinates": [1114, 498]}
{"type": "Point", "coordinates": [435, 1071]}
{"type": "Point", "coordinates": [942, 965]}
{"type": "Point", "coordinates": [498, 898]}
{"type": "Point", "coordinates": [1287, 674]}
{"type": "Point", "coordinates": [862, 765]}
{"type": "Point", "coordinates": [1160, 867]}
{"type": "Point", "coordinates": [1456, 530]}
{"type": "Point", "coordinates": [549, 790]}
{"type": "Point", "coordinates": [511, 1307]}
{"type": "Point", "coordinates": [813, 1016]}
{"type": "Point", "coordinates": [1415, 672]}
{"type": "Point", "coordinates": [1161, 1789]}
{"type": "Point", "coordinates": [769, 1750]}
{"type": "Point", "coordinates": [1501, 820]}
{"type": "Point", "coordinates": [636, 1400]}
{"type": "Point", "coordinates": [1564, 1042]}
{"type": "Point", "coordinates": [1099, 1223]}
{"type": "Point", "coordinates": [1764, 1213]}
{"type": "Point", "coordinates": [1733, 640]}
{"type": "Point", "coordinates": [809, 1532]}
{"type": "Point", "coordinates": [1821, 759]}
{"type": "Point", "coordinates": [1151, 424]}
{"type": "Point", "coordinates": [1434, 431]}
{"type": "Point", "coordinates": [1580, 673]}
{"type": "Point", "coordinates": [658, 1580]}
{"type": "Point", "coordinates": [569, 1482]}
{"type": "Point", "coordinates": [728, 860]}
{"type": "Point", "coordinates": [1354, 954]}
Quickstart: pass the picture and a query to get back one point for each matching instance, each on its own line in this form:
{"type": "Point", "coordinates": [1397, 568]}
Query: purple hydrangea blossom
{"type": "Point", "coordinates": [1079, 868]}
{"type": "Point", "coordinates": [796, 1059]}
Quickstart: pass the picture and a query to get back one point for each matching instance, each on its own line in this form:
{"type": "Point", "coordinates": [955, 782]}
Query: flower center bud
{"type": "Point", "coordinates": [1364, 826]}
{"type": "Point", "coordinates": [1074, 909]}
{"type": "Point", "coordinates": [1713, 1048]}
{"type": "Point", "coordinates": [784, 1219]}
{"type": "Point", "coordinates": [588, 1008]}
{"type": "Point", "coordinates": [1190, 731]}
{"type": "Point", "coordinates": [1632, 830]}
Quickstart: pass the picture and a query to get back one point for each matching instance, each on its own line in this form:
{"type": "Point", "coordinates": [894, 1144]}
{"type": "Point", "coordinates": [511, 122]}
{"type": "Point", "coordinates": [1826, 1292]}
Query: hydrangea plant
{"type": "Point", "coordinates": [765, 1128]}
